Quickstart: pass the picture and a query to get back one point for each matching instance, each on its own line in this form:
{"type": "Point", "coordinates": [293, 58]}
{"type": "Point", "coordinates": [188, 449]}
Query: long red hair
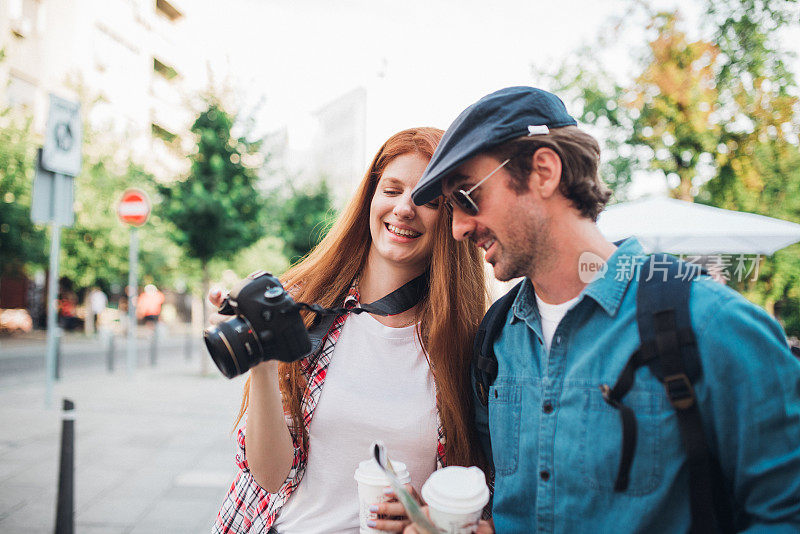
{"type": "Point", "coordinates": [446, 330]}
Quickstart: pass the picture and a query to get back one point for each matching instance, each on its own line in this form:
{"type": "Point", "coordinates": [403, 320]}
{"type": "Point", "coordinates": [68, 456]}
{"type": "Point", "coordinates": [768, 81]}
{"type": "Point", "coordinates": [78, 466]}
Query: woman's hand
{"type": "Point", "coordinates": [392, 515]}
{"type": "Point", "coordinates": [270, 450]}
{"type": "Point", "coordinates": [484, 527]}
{"type": "Point", "coordinates": [216, 296]}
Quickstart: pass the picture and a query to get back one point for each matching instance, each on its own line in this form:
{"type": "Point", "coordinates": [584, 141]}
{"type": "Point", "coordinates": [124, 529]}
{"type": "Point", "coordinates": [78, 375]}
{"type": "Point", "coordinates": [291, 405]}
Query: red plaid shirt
{"type": "Point", "coordinates": [247, 506]}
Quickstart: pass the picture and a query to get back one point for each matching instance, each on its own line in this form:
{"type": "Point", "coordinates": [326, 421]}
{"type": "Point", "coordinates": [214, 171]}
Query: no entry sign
{"type": "Point", "coordinates": [134, 207]}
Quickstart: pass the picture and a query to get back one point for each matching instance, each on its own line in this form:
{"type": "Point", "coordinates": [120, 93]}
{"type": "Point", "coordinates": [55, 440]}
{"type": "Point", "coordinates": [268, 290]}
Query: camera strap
{"type": "Point", "coordinates": [401, 299]}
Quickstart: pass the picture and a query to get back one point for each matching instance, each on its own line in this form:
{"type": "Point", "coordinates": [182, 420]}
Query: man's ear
{"type": "Point", "coordinates": [545, 171]}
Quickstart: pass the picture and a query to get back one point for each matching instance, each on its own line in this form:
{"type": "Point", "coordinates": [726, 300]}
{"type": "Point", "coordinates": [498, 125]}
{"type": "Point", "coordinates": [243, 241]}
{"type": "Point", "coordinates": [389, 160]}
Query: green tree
{"type": "Point", "coordinates": [266, 254]}
{"type": "Point", "coordinates": [663, 120]}
{"type": "Point", "coordinates": [747, 34]}
{"type": "Point", "coordinates": [94, 250]}
{"type": "Point", "coordinates": [22, 244]}
{"type": "Point", "coordinates": [758, 157]}
{"type": "Point", "coordinates": [717, 117]}
{"type": "Point", "coordinates": [95, 247]}
{"type": "Point", "coordinates": [216, 211]}
{"type": "Point", "coordinates": [305, 216]}
{"type": "Point", "coordinates": [675, 98]}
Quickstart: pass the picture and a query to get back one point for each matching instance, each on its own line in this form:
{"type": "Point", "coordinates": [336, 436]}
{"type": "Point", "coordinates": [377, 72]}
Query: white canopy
{"type": "Point", "coordinates": [679, 227]}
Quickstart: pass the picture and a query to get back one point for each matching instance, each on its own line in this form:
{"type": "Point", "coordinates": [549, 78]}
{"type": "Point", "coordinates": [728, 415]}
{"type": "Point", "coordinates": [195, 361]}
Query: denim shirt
{"type": "Point", "coordinates": [556, 444]}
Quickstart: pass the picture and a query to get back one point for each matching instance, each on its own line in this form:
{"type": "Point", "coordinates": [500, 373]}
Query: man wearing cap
{"type": "Point", "coordinates": [522, 180]}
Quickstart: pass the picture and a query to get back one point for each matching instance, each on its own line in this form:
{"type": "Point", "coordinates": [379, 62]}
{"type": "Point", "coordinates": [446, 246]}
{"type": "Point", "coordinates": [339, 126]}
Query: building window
{"type": "Point", "coordinates": [168, 10]}
{"type": "Point", "coordinates": [164, 70]}
{"type": "Point", "coordinates": [25, 17]}
{"type": "Point", "coordinates": [21, 92]}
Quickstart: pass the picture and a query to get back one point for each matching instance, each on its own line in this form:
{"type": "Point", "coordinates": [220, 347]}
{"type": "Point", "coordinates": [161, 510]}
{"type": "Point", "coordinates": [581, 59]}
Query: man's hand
{"type": "Point", "coordinates": [484, 527]}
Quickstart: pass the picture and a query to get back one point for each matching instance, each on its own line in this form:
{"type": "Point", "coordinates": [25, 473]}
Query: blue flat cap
{"type": "Point", "coordinates": [494, 119]}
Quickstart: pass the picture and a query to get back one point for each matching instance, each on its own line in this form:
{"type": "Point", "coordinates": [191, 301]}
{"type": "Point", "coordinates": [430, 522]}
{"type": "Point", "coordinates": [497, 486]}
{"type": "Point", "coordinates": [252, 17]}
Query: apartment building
{"type": "Point", "coordinates": [132, 59]}
{"type": "Point", "coordinates": [338, 152]}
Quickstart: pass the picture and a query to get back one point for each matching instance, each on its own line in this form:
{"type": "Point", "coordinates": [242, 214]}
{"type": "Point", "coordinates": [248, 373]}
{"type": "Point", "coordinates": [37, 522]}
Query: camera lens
{"type": "Point", "coordinates": [233, 346]}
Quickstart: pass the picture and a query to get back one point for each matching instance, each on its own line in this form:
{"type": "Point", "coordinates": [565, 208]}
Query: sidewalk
{"type": "Point", "coordinates": [153, 453]}
{"type": "Point", "coordinates": [33, 343]}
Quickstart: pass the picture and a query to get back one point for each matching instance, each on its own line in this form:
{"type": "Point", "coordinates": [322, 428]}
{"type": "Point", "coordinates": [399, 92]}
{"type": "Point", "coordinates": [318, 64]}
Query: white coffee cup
{"type": "Point", "coordinates": [371, 484]}
{"type": "Point", "coordinates": [456, 497]}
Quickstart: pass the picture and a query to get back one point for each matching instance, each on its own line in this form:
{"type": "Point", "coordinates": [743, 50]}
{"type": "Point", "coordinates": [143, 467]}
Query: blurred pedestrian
{"type": "Point", "coordinates": [67, 311]}
{"type": "Point", "coordinates": [96, 303]}
{"type": "Point", "coordinates": [148, 307]}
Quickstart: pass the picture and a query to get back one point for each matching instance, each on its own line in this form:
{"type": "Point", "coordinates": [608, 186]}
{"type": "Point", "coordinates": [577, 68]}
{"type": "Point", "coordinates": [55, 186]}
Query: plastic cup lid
{"type": "Point", "coordinates": [369, 472]}
{"type": "Point", "coordinates": [456, 490]}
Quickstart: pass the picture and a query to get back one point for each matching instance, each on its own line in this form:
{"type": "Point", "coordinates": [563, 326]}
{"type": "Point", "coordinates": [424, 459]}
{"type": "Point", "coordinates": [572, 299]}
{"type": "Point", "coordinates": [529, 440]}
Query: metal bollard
{"type": "Point", "coordinates": [110, 353]}
{"type": "Point", "coordinates": [65, 504]}
{"type": "Point", "coordinates": [57, 370]}
{"type": "Point", "coordinates": [188, 345]}
{"type": "Point", "coordinates": [154, 345]}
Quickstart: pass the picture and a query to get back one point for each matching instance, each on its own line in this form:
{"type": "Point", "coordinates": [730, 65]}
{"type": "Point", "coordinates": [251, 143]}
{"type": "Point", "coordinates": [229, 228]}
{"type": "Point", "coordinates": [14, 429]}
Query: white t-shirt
{"type": "Point", "coordinates": [551, 315]}
{"type": "Point", "coordinates": [378, 386]}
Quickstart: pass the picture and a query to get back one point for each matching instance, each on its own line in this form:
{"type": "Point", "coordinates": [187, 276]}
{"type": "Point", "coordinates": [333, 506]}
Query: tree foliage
{"type": "Point", "coordinates": [716, 116]}
{"type": "Point", "coordinates": [95, 249]}
{"type": "Point", "coordinates": [746, 33]}
{"type": "Point", "coordinates": [216, 211]}
{"type": "Point", "coordinates": [22, 244]}
{"type": "Point", "coordinates": [663, 121]}
{"type": "Point", "coordinates": [675, 98]}
{"type": "Point", "coordinates": [305, 215]}
{"type": "Point", "coordinates": [758, 160]}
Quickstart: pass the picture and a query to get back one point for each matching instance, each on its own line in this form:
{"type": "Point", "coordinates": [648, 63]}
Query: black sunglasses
{"type": "Point", "coordinates": [461, 198]}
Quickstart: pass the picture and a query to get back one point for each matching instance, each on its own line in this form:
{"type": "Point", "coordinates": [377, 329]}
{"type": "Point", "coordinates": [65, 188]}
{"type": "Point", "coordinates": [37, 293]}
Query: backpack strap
{"type": "Point", "coordinates": [613, 396]}
{"type": "Point", "coordinates": [484, 361]}
{"type": "Point", "coordinates": [669, 349]}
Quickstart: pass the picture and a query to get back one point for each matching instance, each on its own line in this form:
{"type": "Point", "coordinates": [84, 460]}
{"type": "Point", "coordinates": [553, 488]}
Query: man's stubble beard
{"type": "Point", "coordinates": [527, 249]}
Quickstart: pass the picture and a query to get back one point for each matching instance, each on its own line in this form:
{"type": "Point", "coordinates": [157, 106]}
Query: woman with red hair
{"type": "Point", "coordinates": [402, 378]}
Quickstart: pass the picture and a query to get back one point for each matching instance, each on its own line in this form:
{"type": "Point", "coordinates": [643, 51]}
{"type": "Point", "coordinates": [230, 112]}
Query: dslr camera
{"type": "Point", "coordinates": [266, 326]}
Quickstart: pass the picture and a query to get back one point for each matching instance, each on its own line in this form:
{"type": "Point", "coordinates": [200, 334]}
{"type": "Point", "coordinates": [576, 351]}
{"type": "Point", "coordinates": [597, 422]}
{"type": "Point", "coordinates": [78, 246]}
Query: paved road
{"type": "Point", "coordinates": [153, 452]}
{"type": "Point", "coordinates": [22, 359]}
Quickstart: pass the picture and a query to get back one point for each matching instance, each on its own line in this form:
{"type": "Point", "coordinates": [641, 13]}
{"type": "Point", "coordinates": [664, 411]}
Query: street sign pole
{"type": "Point", "coordinates": [133, 263]}
{"type": "Point", "coordinates": [56, 165]}
{"type": "Point", "coordinates": [133, 209]}
{"type": "Point", "coordinates": [52, 298]}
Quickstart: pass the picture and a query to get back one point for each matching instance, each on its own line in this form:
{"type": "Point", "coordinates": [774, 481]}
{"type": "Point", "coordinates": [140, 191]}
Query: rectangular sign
{"type": "Point", "coordinates": [62, 137]}
{"type": "Point", "coordinates": [53, 196]}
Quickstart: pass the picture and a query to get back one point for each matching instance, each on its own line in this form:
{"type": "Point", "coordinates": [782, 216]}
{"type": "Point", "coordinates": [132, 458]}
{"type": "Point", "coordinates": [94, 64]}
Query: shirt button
{"type": "Point", "coordinates": [558, 340]}
{"type": "Point", "coordinates": [547, 408]}
{"type": "Point", "coordinates": [544, 475]}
